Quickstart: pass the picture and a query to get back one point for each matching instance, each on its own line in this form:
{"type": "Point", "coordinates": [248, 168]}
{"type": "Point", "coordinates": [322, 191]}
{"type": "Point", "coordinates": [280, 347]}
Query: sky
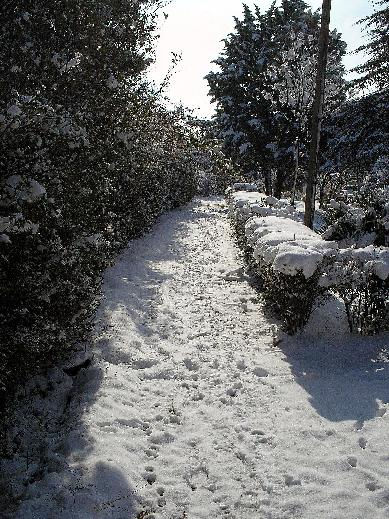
{"type": "Point", "coordinates": [195, 28]}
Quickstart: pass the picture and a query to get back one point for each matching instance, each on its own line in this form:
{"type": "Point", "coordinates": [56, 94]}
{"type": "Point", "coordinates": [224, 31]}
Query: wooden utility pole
{"type": "Point", "coordinates": [317, 114]}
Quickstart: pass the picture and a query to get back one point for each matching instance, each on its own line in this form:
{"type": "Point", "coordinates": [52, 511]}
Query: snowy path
{"type": "Point", "coordinates": [191, 412]}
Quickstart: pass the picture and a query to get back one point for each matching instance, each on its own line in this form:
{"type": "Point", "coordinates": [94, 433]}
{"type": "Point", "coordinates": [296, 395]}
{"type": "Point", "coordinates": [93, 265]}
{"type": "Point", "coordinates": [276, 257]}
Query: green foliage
{"type": "Point", "coordinates": [364, 220]}
{"type": "Point", "coordinates": [354, 145]}
{"type": "Point", "coordinates": [365, 296]}
{"type": "Point", "coordinates": [89, 158]}
{"type": "Point", "coordinates": [291, 298]}
{"type": "Point", "coordinates": [265, 86]}
{"type": "Point", "coordinates": [375, 71]}
{"type": "Point", "coordinates": [216, 172]}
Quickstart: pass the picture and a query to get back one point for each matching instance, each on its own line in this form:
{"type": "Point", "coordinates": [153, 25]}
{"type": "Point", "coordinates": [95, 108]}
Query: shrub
{"type": "Point", "coordinates": [291, 298]}
{"type": "Point", "coordinates": [89, 158]}
{"type": "Point", "coordinates": [288, 257]}
{"type": "Point", "coordinates": [360, 277]}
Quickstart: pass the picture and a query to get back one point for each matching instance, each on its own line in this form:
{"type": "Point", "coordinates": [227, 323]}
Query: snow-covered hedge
{"type": "Point", "coordinates": [291, 260]}
{"type": "Point", "coordinates": [244, 205]}
{"type": "Point", "coordinates": [287, 246]}
{"type": "Point", "coordinates": [240, 203]}
{"type": "Point", "coordinates": [90, 156]}
{"type": "Point", "coordinates": [360, 275]}
{"type": "Point", "coordinates": [289, 257]}
{"type": "Point", "coordinates": [361, 279]}
{"type": "Point", "coordinates": [357, 226]}
{"type": "Point", "coordinates": [297, 266]}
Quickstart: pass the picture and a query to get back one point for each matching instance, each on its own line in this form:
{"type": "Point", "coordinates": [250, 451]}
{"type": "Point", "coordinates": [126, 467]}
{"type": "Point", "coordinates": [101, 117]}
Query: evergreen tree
{"type": "Point", "coordinates": [375, 72]}
{"type": "Point", "coordinates": [264, 89]}
{"type": "Point", "coordinates": [355, 139]}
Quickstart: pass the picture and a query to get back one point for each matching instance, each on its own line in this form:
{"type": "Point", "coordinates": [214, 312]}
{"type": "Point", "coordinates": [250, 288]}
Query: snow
{"type": "Point", "coordinates": [278, 237]}
{"type": "Point", "coordinates": [271, 201]}
{"type": "Point", "coordinates": [242, 186]}
{"type": "Point", "coordinates": [195, 406]}
{"type": "Point", "coordinates": [286, 245]}
{"type": "Point", "coordinates": [36, 190]}
{"type": "Point", "coordinates": [112, 82]}
{"type": "Point", "coordinates": [252, 203]}
{"type": "Point", "coordinates": [29, 189]}
{"type": "Point", "coordinates": [4, 238]}
{"type": "Point", "coordinates": [242, 198]}
{"type": "Point", "coordinates": [5, 222]}
{"type": "Point", "coordinates": [373, 259]}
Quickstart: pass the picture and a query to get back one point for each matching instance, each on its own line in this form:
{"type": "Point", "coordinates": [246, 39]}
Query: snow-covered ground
{"type": "Point", "coordinates": [193, 409]}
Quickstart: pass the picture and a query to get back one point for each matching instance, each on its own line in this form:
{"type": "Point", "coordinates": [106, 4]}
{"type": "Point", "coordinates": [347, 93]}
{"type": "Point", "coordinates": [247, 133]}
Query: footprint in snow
{"type": "Point", "coordinates": [144, 363]}
{"type": "Point", "coordinates": [174, 419]}
{"type": "Point", "coordinates": [257, 432]}
{"type": "Point", "coordinates": [259, 437]}
{"type": "Point", "coordinates": [152, 452]}
{"type": "Point", "coordinates": [260, 372]}
{"type": "Point", "coordinates": [362, 442]}
{"type": "Point", "coordinates": [241, 364]}
{"type": "Point", "coordinates": [149, 475]}
{"type": "Point", "coordinates": [352, 461]}
{"type": "Point", "coordinates": [359, 425]}
{"type": "Point", "coordinates": [159, 438]}
{"type": "Point", "coordinates": [372, 486]}
{"type": "Point", "coordinates": [191, 365]}
{"type": "Point", "coordinates": [233, 391]}
{"type": "Point", "coordinates": [291, 481]}
{"type": "Point", "coordinates": [197, 397]}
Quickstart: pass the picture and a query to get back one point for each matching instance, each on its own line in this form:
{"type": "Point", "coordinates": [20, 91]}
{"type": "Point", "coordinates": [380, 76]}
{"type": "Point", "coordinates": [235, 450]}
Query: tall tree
{"type": "Point", "coordinates": [317, 114]}
{"type": "Point", "coordinates": [263, 90]}
{"type": "Point", "coordinates": [355, 139]}
{"type": "Point", "coordinates": [375, 71]}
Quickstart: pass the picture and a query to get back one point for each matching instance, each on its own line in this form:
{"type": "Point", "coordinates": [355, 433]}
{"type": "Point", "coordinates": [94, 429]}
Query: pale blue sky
{"type": "Point", "coordinates": [195, 29]}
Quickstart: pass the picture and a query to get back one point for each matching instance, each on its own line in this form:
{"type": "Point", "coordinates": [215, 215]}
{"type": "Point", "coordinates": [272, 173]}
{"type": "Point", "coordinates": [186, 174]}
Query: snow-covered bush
{"type": "Point", "coordinates": [241, 203]}
{"type": "Point", "coordinates": [362, 223]}
{"type": "Point", "coordinates": [361, 278]}
{"type": "Point", "coordinates": [89, 157]}
{"type": "Point", "coordinates": [361, 227]}
{"type": "Point", "coordinates": [291, 298]}
{"type": "Point", "coordinates": [290, 259]}
{"type": "Point", "coordinates": [354, 145]}
{"type": "Point", "coordinates": [342, 221]}
{"type": "Point", "coordinates": [245, 204]}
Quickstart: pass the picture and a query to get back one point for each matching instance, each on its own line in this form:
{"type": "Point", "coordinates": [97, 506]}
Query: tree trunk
{"type": "Point", "coordinates": [317, 114]}
{"type": "Point", "coordinates": [268, 182]}
{"type": "Point", "coordinates": [296, 171]}
{"type": "Point", "coordinates": [279, 183]}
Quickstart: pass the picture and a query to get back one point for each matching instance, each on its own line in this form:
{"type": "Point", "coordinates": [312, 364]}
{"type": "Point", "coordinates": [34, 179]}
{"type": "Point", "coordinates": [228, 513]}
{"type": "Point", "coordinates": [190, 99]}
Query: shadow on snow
{"type": "Point", "coordinates": [346, 376]}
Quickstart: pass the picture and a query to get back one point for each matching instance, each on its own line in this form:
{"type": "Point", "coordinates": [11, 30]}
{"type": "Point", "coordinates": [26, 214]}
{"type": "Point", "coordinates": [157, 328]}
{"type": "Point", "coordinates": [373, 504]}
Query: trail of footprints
{"type": "Point", "coordinates": [161, 429]}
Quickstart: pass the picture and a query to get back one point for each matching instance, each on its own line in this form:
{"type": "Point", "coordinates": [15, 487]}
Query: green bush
{"type": "Point", "coordinates": [89, 158]}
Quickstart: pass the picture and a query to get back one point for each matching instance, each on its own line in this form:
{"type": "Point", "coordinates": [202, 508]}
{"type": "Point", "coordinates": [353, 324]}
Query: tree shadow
{"type": "Point", "coordinates": [346, 376]}
{"type": "Point", "coordinates": [105, 493]}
